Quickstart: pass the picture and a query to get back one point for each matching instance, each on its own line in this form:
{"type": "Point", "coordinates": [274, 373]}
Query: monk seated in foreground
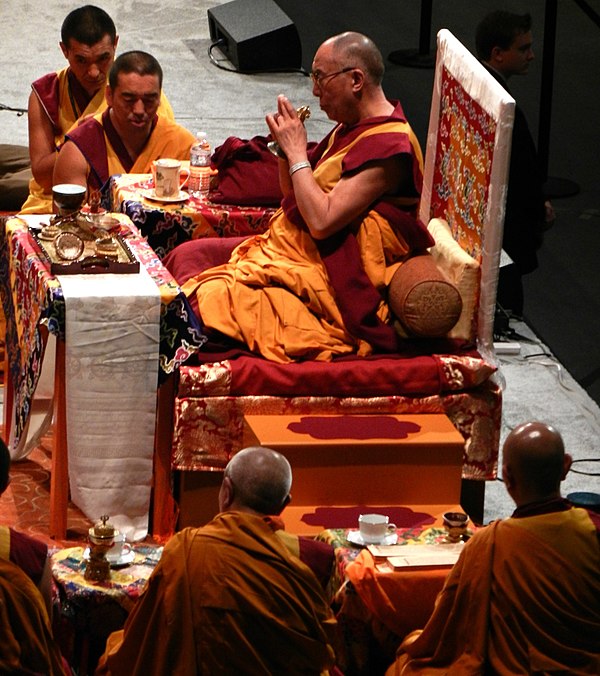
{"type": "Point", "coordinates": [27, 552]}
{"type": "Point", "coordinates": [314, 285]}
{"type": "Point", "coordinates": [27, 645]}
{"type": "Point", "coordinates": [234, 596]}
{"type": "Point", "coordinates": [524, 596]}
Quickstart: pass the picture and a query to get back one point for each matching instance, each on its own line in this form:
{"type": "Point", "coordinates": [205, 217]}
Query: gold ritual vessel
{"type": "Point", "coordinates": [101, 537]}
{"type": "Point", "coordinates": [303, 114]}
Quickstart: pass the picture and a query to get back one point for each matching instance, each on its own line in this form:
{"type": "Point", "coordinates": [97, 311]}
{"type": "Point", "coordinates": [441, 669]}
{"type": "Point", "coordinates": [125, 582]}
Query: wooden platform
{"type": "Point", "coordinates": [341, 461]}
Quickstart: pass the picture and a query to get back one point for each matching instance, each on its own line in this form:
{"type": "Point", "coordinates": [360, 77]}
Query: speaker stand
{"type": "Point", "coordinates": [418, 58]}
{"type": "Point", "coordinates": [554, 187]}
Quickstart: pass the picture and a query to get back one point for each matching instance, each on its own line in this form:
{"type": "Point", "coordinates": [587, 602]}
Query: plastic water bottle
{"type": "Point", "coordinates": [199, 181]}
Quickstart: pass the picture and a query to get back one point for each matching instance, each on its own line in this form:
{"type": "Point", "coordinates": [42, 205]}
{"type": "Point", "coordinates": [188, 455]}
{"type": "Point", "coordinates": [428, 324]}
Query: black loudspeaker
{"type": "Point", "coordinates": [256, 35]}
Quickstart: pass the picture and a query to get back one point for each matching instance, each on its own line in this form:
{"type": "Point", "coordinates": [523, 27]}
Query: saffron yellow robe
{"type": "Point", "coordinates": [57, 102]}
{"type": "Point", "coordinates": [26, 642]}
{"type": "Point", "coordinates": [227, 598]}
{"type": "Point", "coordinates": [523, 598]}
{"type": "Point", "coordinates": [168, 139]}
{"type": "Point", "coordinates": [275, 293]}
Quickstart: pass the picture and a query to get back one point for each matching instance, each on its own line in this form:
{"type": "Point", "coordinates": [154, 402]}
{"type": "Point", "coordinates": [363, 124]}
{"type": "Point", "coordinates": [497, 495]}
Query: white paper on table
{"type": "Point", "coordinates": [112, 333]}
{"type": "Point", "coordinates": [414, 556]}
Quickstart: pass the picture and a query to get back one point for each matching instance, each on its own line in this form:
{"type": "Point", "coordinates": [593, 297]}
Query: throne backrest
{"type": "Point", "coordinates": [466, 167]}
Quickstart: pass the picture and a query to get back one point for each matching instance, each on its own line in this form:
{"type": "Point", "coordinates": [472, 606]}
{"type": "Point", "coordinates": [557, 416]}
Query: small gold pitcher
{"type": "Point", "coordinates": [101, 537]}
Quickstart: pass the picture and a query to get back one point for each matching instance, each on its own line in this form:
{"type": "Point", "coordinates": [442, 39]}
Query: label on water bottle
{"type": "Point", "coordinates": [200, 171]}
{"type": "Point", "coordinates": [205, 174]}
{"type": "Point", "coordinates": [194, 179]}
{"type": "Point", "coordinates": [199, 181]}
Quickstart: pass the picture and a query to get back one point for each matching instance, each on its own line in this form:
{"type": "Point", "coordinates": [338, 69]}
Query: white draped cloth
{"type": "Point", "coordinates": [112, 329]}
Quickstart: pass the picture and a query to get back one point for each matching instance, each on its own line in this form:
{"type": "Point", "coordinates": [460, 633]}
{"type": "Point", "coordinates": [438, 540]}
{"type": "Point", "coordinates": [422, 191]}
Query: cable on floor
{"type": "Point", "coordinates": [216, 63]}
{"type": "Point", "coordinates": [579, 471]}
{"type": "Point", "coordinates": [18, 111]}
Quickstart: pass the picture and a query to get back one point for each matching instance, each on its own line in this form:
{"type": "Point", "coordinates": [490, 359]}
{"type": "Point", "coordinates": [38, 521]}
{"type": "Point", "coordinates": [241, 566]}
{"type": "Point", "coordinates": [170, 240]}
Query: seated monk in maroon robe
{"type": "Point", "coordinates": [314, 285]}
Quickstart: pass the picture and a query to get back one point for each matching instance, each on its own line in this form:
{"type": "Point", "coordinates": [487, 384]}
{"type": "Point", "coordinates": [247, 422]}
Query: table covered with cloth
{"type": "Point", "coordinates": [124, 333]}
{"type": "Point", "coordinates": [32, 299]}
{"type": "Point", "coordinates": [168, 224]}
{"type": "Point", "coordinates": [87, 612]}
{"type": "Point", "coordinates": [376, 606]}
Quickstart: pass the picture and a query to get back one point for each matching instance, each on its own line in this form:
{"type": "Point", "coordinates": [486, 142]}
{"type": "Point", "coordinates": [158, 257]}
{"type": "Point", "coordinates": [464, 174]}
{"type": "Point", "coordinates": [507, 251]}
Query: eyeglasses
{"type": "Point", "coordinates": [318, 78]}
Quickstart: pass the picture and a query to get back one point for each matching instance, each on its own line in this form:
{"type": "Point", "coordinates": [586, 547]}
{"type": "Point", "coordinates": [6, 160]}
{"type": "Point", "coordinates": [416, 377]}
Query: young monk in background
{"type": "Point", "coordinates": [59, 101]}
{"type": "Point", "coordinates": [129, 135]}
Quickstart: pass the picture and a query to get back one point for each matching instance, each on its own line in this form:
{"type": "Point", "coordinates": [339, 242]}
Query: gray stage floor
{"type": "Point", "coordinates": [537, 385]}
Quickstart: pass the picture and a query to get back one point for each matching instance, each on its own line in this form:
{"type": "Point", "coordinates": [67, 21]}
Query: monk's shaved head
{"type": "Point", "coordinates": [534, 460]}
{"type": "Point", "coordinates": [359, 51]}
{"type": "Point", "coordinates": [260, 480]}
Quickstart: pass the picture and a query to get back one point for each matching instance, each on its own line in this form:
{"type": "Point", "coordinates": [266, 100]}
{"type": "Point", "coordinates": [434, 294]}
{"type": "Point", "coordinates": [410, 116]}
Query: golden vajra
{"type": "Point", "coordinates": [303, 114]}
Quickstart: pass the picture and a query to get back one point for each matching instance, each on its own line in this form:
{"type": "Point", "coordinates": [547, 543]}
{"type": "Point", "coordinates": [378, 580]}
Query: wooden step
{"type": "Point", "coordinates": [346, 460]}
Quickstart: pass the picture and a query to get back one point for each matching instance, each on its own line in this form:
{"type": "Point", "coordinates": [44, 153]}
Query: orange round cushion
{"type": "Point", "coordinates": [422, 298]}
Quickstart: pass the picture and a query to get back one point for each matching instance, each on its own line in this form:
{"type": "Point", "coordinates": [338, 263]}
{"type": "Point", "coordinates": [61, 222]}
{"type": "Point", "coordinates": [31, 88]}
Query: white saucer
{"type": "Point", "coordinates": [149, 194]}
{"type": "Point", "coordinates": [356, 538]}
{"type": "Point", "coordinates": [115, 562]}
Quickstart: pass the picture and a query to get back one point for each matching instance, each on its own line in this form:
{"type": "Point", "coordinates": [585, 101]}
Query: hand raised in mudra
{"type": "Point", "coordinates": [303, 114]}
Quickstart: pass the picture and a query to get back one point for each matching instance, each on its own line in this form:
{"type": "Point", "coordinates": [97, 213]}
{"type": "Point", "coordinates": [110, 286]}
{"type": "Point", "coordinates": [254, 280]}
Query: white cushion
{"type": "Point", "coordinates": [463, 271]}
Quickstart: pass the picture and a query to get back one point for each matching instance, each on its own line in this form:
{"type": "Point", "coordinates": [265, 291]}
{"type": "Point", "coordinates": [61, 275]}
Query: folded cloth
{"type": "Point", "coordinates": [248, 173]}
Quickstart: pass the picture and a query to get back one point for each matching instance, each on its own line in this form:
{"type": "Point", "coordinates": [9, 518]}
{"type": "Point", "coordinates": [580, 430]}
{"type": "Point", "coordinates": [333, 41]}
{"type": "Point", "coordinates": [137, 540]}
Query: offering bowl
{"type": "Point", "coordinates": [101, 537]}
{"type": "Point", "coordinates": [456, 525]}
{"type": "Point", "coordinates": [68, 197]}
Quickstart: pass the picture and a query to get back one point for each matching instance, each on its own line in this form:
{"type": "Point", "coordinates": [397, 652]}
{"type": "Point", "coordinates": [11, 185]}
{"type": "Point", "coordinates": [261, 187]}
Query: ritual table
{"type": "Point", "coordinates": [376, 605]}
{"type": "Point", "coordinates": [167, 224]}
{"type": "Point", "coordinates": [119, 439]}
{"type": "Point", "coordinates": [87, 612]}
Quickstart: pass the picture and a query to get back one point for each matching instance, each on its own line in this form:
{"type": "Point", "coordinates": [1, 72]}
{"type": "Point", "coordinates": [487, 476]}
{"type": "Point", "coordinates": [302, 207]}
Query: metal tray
{"type": "Point", "coordinates": [90, 261]}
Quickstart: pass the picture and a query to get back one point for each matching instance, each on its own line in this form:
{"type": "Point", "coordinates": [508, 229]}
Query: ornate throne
{"type": "Point", "coordinates": [201, 411]}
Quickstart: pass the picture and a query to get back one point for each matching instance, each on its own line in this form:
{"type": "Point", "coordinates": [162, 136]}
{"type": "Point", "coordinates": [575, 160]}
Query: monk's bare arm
{"type": "Point", "coordinates": [327, 213]}
{"type": "Point", "coordinates": [290, 133]}
{"type": "Point", "coordinates": [71, 166]}
{"type": "Point", "coordinates": [42, 150]}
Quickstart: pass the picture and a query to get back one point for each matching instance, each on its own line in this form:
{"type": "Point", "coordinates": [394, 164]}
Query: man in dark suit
{"type": "Point", "coordinates": [504, 45]}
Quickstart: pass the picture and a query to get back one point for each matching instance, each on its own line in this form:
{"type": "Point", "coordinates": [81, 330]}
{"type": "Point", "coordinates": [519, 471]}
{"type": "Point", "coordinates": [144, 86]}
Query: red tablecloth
{"type": "Point", "coordinates": [166, 225]}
